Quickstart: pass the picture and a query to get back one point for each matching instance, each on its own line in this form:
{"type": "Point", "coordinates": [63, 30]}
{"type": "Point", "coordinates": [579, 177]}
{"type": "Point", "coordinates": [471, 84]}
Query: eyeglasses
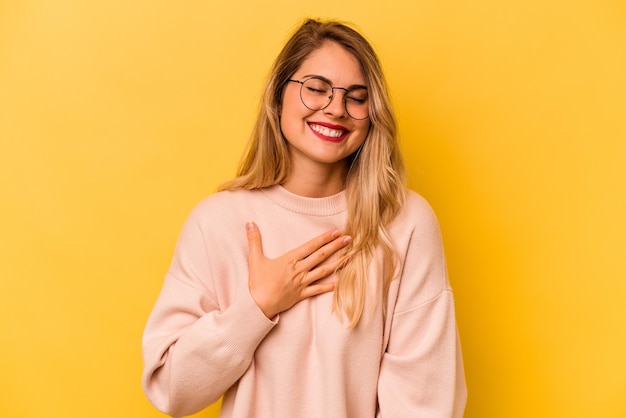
{"type": "Point", "coordinates": [317, 93]}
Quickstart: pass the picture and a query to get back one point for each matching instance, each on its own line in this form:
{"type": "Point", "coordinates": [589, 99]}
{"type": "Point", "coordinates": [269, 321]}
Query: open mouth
{"type": "Point", "coordinates": [328, 132]}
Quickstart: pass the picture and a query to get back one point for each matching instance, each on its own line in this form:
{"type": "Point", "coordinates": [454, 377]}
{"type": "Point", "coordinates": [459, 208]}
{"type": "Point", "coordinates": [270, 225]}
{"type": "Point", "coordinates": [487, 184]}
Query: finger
{"type": "Point", "coordinates": [321, 272]}
{"type": "Point", "coordinates": [323, 253]}
{"type": "Point", "coordinates": [255, 248]}
{"type": "Point", "coordinates": [318, 289]}
{"type": "Point", "coordinates": [316, 243]}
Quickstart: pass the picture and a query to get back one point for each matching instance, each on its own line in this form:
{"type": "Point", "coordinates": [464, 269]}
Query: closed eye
{"type": "Point", "coordinates": [357, 96]}
{"type": "Point", "coordinates": [356, 99]}
{"type": "Point", "coordinates": [316, 91]}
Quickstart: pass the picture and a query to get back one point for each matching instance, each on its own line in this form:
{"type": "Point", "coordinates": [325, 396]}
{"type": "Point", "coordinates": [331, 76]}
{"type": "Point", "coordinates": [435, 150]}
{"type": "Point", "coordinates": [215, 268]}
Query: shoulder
{"type": "Point", "coordinates": [416, 202]}
{"type": "Point", "coordinates": [417, 238]}
{"type": "Point", "coordinates": [225, 202]}
{"type": "Point", "coordinates": [227, 197]}
{"type": "Point", "coordinates": [223, 208]}
{"type": "Point", "coordinates": [416, 214]}
{"type": "Point", "coordinates": [416, 228]}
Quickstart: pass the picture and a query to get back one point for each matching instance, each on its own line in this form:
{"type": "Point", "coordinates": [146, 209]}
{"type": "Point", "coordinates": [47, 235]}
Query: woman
{"type": "Point", "coordinates": [335, 302]}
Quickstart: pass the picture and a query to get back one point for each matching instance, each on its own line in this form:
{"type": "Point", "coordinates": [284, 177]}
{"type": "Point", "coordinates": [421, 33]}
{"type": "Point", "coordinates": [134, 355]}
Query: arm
{"type": "Point", "coordinates": [194, 351]}
{"type": "Point", "coordinates": [421, 371]}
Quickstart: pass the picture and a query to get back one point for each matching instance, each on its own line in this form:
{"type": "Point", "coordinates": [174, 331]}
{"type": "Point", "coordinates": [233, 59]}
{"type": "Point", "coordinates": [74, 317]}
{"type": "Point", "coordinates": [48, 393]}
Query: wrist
{"type": "Point", "coordinates": [263, 305]}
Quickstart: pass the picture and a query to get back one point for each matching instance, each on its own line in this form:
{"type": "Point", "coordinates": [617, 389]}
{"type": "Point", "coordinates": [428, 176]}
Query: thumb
{"type": "Point", "coordinates": [254, 241]}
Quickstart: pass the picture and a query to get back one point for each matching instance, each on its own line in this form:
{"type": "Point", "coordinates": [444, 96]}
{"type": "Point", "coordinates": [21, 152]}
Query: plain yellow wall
{"type": "Point", "coordinates": [117, 117]}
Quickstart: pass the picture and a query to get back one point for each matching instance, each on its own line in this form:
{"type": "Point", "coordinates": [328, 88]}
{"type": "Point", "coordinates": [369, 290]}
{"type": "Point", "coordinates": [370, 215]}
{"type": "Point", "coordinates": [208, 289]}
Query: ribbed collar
{"type": "Point", "coordinates": [312, 206]}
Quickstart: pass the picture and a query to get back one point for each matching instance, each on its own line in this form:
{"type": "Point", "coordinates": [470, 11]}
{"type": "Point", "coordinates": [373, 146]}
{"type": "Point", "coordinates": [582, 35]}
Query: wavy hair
{"type": "Point", "coordinates": [375, 181]}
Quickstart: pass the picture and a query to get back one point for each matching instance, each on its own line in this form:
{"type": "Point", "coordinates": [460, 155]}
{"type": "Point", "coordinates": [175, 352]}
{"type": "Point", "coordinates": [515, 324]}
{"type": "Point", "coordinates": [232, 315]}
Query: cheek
{"type": "Point", "coordinates": [291, 102]}
{"type": "Point", "coordinates": [293, 114]}
{"type": "Point", "coordinates": [362, 136]}
{"type": "Point", "coordinates": [364, 130]}
{"type": "Point", "coordinates": [289, 125]}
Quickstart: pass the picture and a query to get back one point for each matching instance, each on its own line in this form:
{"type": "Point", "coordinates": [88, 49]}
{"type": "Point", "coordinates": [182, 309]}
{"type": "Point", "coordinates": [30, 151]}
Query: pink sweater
{"type": "Point", "coordinates": [206, 337]}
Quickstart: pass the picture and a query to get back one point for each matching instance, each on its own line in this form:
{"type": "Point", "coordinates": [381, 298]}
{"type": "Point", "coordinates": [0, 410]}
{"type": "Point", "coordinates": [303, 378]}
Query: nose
{"type": "Point", "coordinates": [336, 107]}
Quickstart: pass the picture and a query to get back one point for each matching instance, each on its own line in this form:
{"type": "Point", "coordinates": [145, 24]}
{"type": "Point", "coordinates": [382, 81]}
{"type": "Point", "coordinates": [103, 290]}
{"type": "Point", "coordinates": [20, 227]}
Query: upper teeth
{"type": "Point", "coordinates": [334, 133]}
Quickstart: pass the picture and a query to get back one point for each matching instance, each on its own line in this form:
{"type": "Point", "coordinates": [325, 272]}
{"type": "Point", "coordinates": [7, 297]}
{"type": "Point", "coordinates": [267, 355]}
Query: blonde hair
{"type": "Point", "coordinates": [375, 187]}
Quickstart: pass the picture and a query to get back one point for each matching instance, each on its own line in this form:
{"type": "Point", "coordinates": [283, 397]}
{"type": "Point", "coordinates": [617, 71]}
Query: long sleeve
{"type": "Point", "coordinates": [193, 349]}
{"type": "Point", "coordinates": [421, 371]}
{"type": "Point", "coordinates": [206, 337]}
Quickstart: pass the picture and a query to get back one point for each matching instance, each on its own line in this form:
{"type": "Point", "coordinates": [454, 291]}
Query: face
{"type": "Point", "coordinates": [323, 138]}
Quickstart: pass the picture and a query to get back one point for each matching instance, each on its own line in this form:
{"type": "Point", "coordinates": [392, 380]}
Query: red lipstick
{"type": "Point", "coordinates": [322, 131]}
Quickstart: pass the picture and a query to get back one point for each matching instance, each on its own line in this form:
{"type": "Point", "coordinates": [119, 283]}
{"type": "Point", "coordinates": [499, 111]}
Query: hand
{"type": "Point", "coordinates": [278, 284]}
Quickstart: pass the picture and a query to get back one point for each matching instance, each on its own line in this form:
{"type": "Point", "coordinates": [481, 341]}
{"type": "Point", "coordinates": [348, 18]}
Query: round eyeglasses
{"type": "Point", "coordinates": [317, 93]}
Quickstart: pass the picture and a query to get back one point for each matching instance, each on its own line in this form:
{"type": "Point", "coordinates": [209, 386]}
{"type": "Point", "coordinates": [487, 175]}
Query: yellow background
{"type": "Point", "coordinates": [116, 117]}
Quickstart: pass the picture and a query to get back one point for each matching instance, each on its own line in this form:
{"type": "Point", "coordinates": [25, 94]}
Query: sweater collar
{"type": "Point", "coordinates": [313, 206]}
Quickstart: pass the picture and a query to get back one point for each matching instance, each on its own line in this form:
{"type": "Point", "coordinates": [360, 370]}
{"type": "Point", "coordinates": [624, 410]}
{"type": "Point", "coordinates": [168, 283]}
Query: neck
{"type": "Point", "coordinates": [316, 181]}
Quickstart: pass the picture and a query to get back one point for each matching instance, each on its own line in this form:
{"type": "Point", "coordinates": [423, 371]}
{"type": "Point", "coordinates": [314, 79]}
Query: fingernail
{"type": "Point", "coordinates": [250, 227]}
{"type": "Point", "coordinates": [335, 234]}
{"type": "Point", "coordinates": [347, 239]}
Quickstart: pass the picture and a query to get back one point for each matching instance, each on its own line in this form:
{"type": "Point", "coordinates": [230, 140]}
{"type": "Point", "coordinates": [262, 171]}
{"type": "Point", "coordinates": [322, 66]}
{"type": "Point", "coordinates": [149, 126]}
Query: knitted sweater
{"type": "Point", "coordinates": [206, 337]}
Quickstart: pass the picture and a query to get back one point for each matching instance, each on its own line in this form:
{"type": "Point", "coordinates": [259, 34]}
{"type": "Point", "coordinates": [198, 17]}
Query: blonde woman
{"type": "Point", "coordinates": [314, 284]}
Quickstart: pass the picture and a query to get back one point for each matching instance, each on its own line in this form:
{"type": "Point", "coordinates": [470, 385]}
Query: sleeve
{"type": "Point", "coordinates": [421, 371]}
{"type": "Point", "coordinates": [193, 350]}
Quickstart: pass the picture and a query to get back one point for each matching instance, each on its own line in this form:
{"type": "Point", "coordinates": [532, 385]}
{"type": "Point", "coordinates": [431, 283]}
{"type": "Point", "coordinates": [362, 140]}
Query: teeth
{"type": "Point", "coordinates": [333, 133]}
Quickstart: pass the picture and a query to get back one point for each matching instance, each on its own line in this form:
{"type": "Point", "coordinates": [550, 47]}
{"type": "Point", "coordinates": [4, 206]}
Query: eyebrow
{"type": "Point", "coordinates": [351, 87]}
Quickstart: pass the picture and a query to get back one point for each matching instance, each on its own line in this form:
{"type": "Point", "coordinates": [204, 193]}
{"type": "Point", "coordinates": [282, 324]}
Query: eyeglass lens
{"type": "Point", "coordinates": [316, 94]}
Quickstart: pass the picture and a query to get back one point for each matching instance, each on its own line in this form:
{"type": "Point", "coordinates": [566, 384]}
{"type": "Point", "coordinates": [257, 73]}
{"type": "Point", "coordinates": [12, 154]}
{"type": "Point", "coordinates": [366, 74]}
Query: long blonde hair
{"type": "Point", "coordinates": [375, 185]}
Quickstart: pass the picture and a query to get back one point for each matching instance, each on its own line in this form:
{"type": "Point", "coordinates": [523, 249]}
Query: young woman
{"type": "Point", "coordinates": [314, 284]}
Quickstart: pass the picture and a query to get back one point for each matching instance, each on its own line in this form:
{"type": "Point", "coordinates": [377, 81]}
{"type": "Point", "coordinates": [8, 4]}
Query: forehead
{"type": "Point", "coordinates": [334, 62]}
